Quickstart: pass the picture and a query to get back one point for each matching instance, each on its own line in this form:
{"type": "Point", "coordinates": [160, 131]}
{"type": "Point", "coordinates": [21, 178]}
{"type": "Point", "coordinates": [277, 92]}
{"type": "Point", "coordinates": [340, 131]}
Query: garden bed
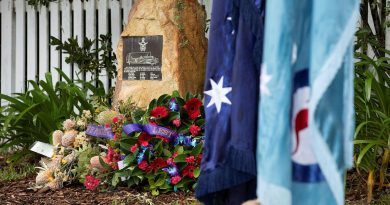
{"type": "Point", "coordinates": [18, 192]}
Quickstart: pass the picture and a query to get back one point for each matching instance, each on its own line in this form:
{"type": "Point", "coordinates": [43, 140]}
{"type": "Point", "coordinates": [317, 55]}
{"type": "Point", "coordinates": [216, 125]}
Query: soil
{"type": "Point", "coordinates": [356, 190]}
{"type": "Point", "coordinates": [17, 192]}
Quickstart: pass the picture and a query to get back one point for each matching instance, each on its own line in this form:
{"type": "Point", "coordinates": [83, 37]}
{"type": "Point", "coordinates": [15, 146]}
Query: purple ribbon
{"type": "Point", "coordinates": [150, 129]}
{"type": "Point", "coordinates": [99, 131]}
{"type": "Point", "coordinates": [106, 132]}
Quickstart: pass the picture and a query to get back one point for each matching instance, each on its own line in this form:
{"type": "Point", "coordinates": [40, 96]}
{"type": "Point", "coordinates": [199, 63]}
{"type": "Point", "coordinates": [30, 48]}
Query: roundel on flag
{"type": "Point", "coordinates": [304, 163]}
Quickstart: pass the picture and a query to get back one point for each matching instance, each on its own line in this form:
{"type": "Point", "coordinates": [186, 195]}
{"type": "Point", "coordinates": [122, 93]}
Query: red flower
{"type": "Point", "coordinates": [159, 112]}
{"type": "Point", "coordinates": [157, 164]}
{"type": "Point", "coordinates": [107, 125]}
{"type": "Point", "coordinates": [189, 171]}
{"type": "Point", "coordinates": [143, 165]}
{"type": "Point", "coordinates": [117, 137]}
{"type": "Point", "coordinates": [162, 138]}
{"type": "Point", "coordinates": [112, 158]}
{"type": "Point", "coordinates": [170, 161]}
{"type": "Point", "coordinates": [176, 122]}
{"type": "Point", "coordinates": [199, 158]}
{"type": "Point", "coordinates": [91, 182]}
{"type": "Point", "coordinates": [115, 119]}
{"type": "Point", "coordinates": [152, 122]}
{"type": "Point", "coordinates": [134, 148]}
{"type": "Point", "coordinates": [194, 130]}
{"type": "Point", "coordinates": [114, 166]}
{"type": "Point", "coordinates": [144, 139]}
{"type": "Point", "coordinates": [190, 159]}
{"type": "Point", "coordinates": [175, 180]}
{"type": "Point", "coordinates": [192, 107]}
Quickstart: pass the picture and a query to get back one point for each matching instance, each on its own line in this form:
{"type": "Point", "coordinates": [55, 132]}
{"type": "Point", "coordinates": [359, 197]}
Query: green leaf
{"type": "Point", "coordinates": [180, 158]}
{"type": "Point", "coordinates": [167, 153]}
{"type": "Point", "coordinates": [368, 83]}
{"type": "Point", "coordinates": [196, 172]}
{"type": "Point", "coordinates": [179, 149]}
{"type": "Point", "coordinates": [175, 94]}
{"type": "Point", "coordinates": [173, 115]}
{"type": "Point", "coordinates": [197, 149]}
{"type": "Point", "coordinates": [160, 181]}
{"type": "Point", "coordinates": [363, 152]}
{"type": "Point", "coordinates": [155, 192]}
{"type": "Point", "coordinates": [115, 179]}
{"type": "Point", "coordinates": [104, 164]}
{"type": "Point", "coordinates": [129, 159]}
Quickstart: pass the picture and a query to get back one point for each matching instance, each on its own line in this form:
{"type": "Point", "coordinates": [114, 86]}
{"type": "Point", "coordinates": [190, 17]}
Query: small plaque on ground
{"type": "Point", "coordinates": [142, 57]}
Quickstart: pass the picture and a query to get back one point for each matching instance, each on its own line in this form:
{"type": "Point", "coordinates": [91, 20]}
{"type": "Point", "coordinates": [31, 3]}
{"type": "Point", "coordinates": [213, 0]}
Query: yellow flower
{"type": "Point", "coordinates": [64, 161]}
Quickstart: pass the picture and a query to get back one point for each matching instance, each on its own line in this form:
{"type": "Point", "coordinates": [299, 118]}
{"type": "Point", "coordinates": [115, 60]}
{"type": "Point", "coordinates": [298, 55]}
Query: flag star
{"type": "Point", "coordinates": [264, 80]}
{"type": "Point", "coordinates": [218, 94]}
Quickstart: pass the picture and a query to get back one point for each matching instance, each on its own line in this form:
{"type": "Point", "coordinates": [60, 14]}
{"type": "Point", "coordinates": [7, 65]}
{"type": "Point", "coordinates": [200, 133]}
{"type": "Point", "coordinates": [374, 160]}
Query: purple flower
{"type": "Point", "coordinates": [171, 171]}
{"type": "Point", "coordinates": [173, 106]}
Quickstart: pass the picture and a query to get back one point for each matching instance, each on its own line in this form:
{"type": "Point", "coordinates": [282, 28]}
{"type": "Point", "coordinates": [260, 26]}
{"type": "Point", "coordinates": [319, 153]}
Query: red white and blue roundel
{"type": "Point", "coordinates": [305, 165]}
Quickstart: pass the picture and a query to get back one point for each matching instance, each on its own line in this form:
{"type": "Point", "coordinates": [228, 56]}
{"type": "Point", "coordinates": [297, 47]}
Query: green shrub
{"type": "Point", "coordinates": [32, 116]}
{"type": "Point", "coordinates": [372, 94]}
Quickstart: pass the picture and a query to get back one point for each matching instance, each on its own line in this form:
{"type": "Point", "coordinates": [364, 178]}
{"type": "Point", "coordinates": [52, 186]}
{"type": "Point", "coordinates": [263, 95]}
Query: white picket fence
{"type": "Point", "coordinates": [25, 32]}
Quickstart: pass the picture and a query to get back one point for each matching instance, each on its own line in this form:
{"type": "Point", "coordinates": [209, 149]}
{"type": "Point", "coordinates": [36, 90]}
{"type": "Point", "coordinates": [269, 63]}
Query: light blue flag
{"type": "Point", "coordinates": [306, 119]}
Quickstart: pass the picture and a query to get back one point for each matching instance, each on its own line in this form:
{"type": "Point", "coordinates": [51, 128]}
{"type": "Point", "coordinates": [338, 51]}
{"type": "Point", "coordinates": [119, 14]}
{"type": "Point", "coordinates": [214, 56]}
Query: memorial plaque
{"type": "Point", "coordinates": [142, 57]}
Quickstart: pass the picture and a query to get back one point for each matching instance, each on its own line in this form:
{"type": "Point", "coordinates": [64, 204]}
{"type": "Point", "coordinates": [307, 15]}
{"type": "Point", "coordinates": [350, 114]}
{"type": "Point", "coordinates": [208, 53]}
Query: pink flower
{"type": "Point", "coordinates": [91, 182]}
{"type": "Point", "coordinates": [176, 122]}
{"type": "Point", "coordinates": [134, 148]}
{"type": "Point", "coordinates": [175, 179]}
{"type": "Point", "coordinates": [175, 154]}
{"type": "Point", "coordinates": [190, 160]}
{"type": "Point", "coordinates": [194, 130]}
{"type": "Point", "coordinates": [170, 161]}
{"type": "Point", "coordinates": [115, 119]}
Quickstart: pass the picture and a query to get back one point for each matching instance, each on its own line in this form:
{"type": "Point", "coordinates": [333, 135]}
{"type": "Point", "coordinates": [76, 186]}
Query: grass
{"type": "Point", "coordinates": [11, 173]}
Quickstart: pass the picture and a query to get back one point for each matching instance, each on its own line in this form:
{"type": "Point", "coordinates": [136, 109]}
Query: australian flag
{"type": "Point", "coordinates": [306, 111]}
{"type": "Point", "coordinates": [228, 170]}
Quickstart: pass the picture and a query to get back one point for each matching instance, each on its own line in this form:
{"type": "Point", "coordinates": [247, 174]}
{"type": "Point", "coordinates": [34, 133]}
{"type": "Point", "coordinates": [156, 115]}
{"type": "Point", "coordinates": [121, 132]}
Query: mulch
{"type": "Point", "coordinates": [18, 192]}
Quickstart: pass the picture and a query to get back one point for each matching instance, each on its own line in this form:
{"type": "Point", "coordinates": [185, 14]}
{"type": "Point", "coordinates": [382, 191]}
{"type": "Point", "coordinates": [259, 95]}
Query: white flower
{"type": "Point", "coordinates": [87, 114]}
{"type": "Point", "coordinates": [81, 123]}
{"type": "Point", "coordinates": [81, 140]}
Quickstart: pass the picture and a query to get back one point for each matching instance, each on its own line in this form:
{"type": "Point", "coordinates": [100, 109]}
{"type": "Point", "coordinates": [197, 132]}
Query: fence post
{"type": "Point", "coordinates": [78, 31]}
{"type": "Point", "coordinates": [32, 44]}
{"type": "Point", "coordinates": [55, 32]}
{"type": "Point", "coordinates": [116, 28]}
{"type": "Point", "coordinates": [90, 19]}
{"type": "Point", "coordinates": [66, 33]}
{"type": "Point", "coordinates": [20, 47]}
{"type": "Point", "coordinates": [7, 48]}
{"type": "Point", "coordinates": [43, 42]}
{"type": "Point", "coordinates": [102, 30]}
